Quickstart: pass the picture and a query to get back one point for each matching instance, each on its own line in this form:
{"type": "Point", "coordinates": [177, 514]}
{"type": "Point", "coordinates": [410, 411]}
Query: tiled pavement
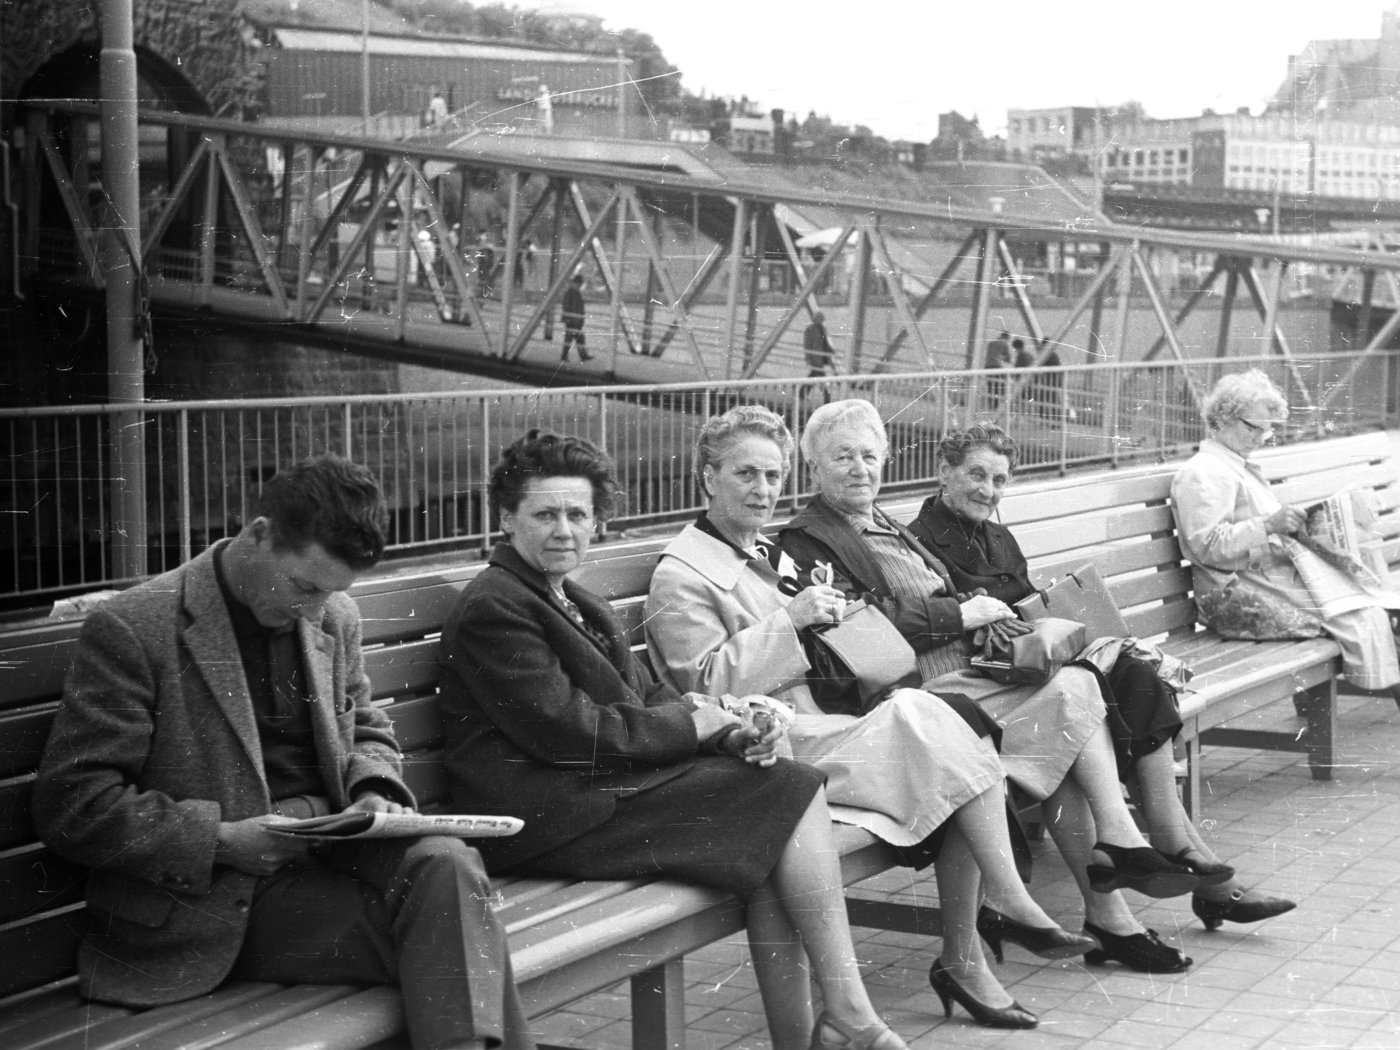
{"type": "Point", "coordinates": [1324, 976]}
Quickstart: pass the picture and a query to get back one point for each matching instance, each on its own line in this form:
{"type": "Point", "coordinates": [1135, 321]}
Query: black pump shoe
{"type": "Point", "coordinates": [1211, 873]}
{"type": "Point", "coordinates": [949, 991]}
{"type": "Point", "coordinates": [1048, 942]}
{"type": "Point", "coordinates": [1140, 868]}
{"type": "Point", "coordinates": [1238, 909]}
{"type": "Point", "coordinates": [1143, 952]}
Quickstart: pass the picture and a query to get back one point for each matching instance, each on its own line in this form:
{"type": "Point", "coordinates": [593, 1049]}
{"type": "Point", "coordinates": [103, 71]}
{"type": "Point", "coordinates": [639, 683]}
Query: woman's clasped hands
{"type": "Point", "coordinates": [756, 744]}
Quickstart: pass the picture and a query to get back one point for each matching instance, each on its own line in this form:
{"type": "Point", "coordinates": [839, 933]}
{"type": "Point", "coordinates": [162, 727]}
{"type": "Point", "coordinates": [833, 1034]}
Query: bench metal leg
{"type": "Point", "coordinates": [1319, 706]}
{"type": "Point", "coordinates": [658, 1007]}
{"type": "Point", "coordinates": [1191, 789]}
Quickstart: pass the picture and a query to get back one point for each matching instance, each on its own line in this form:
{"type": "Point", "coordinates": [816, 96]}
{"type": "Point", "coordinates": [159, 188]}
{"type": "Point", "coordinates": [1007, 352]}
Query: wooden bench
{"type": "Point", "coordinates": [1122, 523]}
{"type": "Point", "coordinates": [568, 938]}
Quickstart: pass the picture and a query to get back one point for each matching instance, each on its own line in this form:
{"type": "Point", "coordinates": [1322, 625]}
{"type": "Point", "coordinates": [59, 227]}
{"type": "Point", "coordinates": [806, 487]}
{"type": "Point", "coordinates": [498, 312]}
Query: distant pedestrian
{"type": "Point", "coordinates": [437, 110]}
{"type": "Point", "coordinates": [1050, 388]}
{"type": "Point", "coordinates": [999, 357]}
{"type": "Point", "coordinates": [821, 358]}
{"type": "Point", "coordinates": [571, 313]}
{"type": "Point", "coordinates": [485, 266]}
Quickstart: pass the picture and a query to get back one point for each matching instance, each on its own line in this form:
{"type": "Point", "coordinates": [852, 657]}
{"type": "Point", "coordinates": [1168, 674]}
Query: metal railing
{"type": "Point", "coordinates": [433, 452]}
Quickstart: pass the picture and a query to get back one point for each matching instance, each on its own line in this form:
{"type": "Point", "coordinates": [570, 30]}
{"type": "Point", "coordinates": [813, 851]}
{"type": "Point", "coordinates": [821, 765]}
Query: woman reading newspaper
{"type": "Point", "coordinates": [1259, 572]}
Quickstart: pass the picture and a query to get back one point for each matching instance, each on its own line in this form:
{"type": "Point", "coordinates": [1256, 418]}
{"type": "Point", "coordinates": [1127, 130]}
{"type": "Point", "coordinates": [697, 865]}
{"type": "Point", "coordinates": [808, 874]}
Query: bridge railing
{"type": "Point", "coordinates": [433, 452]}
{"type": "Point", "coordinates": [409, 250]}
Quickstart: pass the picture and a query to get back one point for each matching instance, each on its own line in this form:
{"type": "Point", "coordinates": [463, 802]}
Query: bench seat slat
{"type": "Point", "coordinates": [144, 1027]}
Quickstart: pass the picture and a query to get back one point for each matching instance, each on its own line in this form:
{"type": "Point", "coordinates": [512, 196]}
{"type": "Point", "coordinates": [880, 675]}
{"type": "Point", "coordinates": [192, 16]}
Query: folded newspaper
{"type": "Point", "coordinates": [354, 824]}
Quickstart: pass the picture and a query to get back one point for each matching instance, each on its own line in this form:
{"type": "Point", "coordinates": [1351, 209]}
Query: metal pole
{"type": "Point", "coordinates": [125, 375]}
{"type": "Point", "coordinates": [622, 78]}
{"type": "Point", "coordinates": [364, 65]}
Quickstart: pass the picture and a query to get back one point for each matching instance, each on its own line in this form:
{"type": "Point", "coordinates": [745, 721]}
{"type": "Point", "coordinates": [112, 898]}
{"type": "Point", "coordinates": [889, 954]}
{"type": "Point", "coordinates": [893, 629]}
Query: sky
{"type": "Point", "coordinates": [894, 66]}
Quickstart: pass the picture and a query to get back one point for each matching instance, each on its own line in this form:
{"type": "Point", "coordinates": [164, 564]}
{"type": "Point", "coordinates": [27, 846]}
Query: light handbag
{"type": "Point", "coordinates": [1082, 596]}
{"type": "Point", "coordinates": [856, 662]}
{"type": "Point", "coordinates": [1032, 658]}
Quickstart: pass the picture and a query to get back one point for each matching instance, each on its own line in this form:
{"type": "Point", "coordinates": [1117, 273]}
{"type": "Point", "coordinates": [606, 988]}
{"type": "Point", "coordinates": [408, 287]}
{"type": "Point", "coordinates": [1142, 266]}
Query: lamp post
{"type": "Point", "coordinates": [121, 263]}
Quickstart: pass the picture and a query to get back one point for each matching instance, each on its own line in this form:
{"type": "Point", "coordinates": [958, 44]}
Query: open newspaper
{"type": "Point", "coordinates": [358, 825]}
{"type": "Point", "coordinates": [1336, 528]}
{"type": "Point", "coordinates": [1338, 555]}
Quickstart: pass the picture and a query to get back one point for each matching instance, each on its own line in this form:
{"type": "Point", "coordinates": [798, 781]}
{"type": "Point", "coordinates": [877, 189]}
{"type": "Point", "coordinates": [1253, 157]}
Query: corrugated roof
{"type": "Point", "coordinates": [296, 39]}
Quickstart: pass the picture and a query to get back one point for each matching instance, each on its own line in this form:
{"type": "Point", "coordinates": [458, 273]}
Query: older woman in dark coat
{"type": "Point", "coordinates": [549, 717]}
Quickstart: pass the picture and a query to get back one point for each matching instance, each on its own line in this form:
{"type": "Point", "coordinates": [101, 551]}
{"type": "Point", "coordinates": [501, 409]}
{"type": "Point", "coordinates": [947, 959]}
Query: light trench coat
{"type": "Point", "coordinates": [1221, 502]}
{"type": "Point", "coordinates": [716, 623]}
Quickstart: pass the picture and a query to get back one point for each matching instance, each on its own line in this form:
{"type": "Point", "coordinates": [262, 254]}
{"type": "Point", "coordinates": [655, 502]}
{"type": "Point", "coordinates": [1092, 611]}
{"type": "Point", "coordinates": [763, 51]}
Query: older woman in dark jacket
{"type": "Point", "coordinates": [549, 716]}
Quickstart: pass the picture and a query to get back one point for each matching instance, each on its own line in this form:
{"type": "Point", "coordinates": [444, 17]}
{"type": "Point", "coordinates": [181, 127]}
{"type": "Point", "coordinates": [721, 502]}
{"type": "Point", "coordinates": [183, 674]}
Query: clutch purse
{"type": "Point", "coordinates": [1033, 658]}
{"type": "Point", "coordinates": [854, 663]}
{"type": "Point", "coordinates": [1082, 596]}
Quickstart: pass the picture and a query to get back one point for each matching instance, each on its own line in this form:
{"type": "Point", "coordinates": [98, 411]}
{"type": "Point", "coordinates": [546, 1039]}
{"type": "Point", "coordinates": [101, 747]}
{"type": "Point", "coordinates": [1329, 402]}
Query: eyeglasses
{"type": "Point", "coordinates": [1269, 425]}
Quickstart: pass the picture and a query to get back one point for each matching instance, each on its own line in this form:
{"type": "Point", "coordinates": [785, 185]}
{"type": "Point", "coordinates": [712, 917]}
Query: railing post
{"type": "Point", "coordinates": [603, 444]}
{"type": "Point", "coordinates": [185, 510]}
{"type": "Point", "coordinates": [485, 483]}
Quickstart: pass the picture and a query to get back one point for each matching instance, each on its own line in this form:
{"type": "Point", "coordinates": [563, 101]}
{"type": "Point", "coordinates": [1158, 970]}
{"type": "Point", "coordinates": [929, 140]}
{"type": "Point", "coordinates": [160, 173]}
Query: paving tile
{"type": "Point", "coordinates": [1324, 976]}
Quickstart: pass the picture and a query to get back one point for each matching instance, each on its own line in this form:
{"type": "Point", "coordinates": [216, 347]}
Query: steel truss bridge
{"type": "Point", "coordinates": [350, 242]}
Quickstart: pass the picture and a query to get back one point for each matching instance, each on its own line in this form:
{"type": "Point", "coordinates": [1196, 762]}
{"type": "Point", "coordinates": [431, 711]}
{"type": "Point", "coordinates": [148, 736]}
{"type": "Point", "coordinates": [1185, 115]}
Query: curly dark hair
{"type": "Point", "coordinates": [545, 454]}
{"type": "Point", "coordinates": [955, 445]}
{"type": "Point", "coordinates": [327, 500]}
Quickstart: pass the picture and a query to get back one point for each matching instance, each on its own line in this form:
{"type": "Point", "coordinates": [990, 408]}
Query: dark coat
{"type": "Point", "coordinates": [541, 721]}
{"type": "Point", "coordinates": [571, 307]}
{"type": "Point", "coordinates": [821, 533]}
{"type": "Point", "coordinates": [154, 745]}
{"type": "Point", "coordinates": [1001, 571]}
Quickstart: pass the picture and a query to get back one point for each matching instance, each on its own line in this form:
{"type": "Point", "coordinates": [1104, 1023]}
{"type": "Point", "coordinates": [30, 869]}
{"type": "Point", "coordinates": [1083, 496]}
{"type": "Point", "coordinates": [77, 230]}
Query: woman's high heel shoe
{"type": "Point", "coordinates": [1210, 872]}
{"type": "Point", "coordinates": [949, 991]}
{"type": "Point", "coordinates": [869, 1037]}
{"type": "Point", "coordinates": [1047, 942]}
{"type": "Point", "coordinates": [1143, 952]}
{"type": "Point", "coordinates": [1140, 868]}
{"type": "Point", "coordinates": [1239, 908]}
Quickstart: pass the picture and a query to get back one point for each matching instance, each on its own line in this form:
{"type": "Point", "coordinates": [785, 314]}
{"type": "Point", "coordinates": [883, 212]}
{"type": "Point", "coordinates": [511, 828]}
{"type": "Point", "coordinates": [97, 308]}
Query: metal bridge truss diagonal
{"type": "Point", "coordinates": [370, 245]}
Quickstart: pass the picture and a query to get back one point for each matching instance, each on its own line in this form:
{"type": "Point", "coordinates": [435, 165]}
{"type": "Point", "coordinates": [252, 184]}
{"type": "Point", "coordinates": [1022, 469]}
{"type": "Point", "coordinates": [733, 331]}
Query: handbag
{"type": "Point", "coordinates": [1243, 609]}
{"type": "Point", "coordinates": [1082, 596]}
{"type": "Point", "coordinates": [1033, 658]}
{"type": "Point", "coordinates": [856, 662]}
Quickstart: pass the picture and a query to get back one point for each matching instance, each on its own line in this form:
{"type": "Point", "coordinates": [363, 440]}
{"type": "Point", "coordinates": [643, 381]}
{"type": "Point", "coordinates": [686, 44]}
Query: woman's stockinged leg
{"type": "Point", "coordinates": [981, 824]}
{"type": "Point", "coordinates": [1095, 771]}
{"type": "Point", "coordinates": [780, 966]}
{"type": "Point", "coordinates": [808, 888]}
{"type": "Point", "coordinates": [1169, 827]}
{"type": "Point", "coordinates": [959, 897]}
{"type": "Point", "coordinates": [1070, 822]}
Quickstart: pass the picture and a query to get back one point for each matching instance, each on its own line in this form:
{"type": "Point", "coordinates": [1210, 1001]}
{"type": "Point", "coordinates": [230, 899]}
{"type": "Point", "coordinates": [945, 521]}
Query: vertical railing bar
{"type": "Point", "coordinates": [58, 497]}
{"type": "Point", "coordinates": [186, 531]}
{"type": "Point", "coordinates": [485, 461]}
{"type": "Point", "coordinates": [103, 547]}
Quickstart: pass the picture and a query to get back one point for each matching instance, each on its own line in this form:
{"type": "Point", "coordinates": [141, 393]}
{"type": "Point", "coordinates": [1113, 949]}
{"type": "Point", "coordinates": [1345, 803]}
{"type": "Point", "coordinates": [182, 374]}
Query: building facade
{"type": "Point", "coordinates": [314, 76]}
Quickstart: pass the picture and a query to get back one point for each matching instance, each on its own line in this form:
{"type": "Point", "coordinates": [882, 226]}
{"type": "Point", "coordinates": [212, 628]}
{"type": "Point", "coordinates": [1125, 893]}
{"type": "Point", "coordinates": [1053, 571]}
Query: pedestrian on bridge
{"type": "Point", "coordinates": [571, 313]}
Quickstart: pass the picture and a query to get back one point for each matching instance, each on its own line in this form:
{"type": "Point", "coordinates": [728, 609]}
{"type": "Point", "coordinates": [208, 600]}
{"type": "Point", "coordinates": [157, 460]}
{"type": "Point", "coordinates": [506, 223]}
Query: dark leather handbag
{"type": "Point", "coordinates": [1033, 658]}
{"type": "Point", "coordinates": [857, 662]}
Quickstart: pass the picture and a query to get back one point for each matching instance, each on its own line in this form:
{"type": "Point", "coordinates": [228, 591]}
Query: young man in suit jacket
{"type": "Point", "coordinates": [211, 703]}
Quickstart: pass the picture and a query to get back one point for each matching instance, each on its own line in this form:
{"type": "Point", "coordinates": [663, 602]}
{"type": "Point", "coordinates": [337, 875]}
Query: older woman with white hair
{"type": "Point", "coordinates": [724, 615]}
{"type": "Point", "coordinates": [1240, 541]}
